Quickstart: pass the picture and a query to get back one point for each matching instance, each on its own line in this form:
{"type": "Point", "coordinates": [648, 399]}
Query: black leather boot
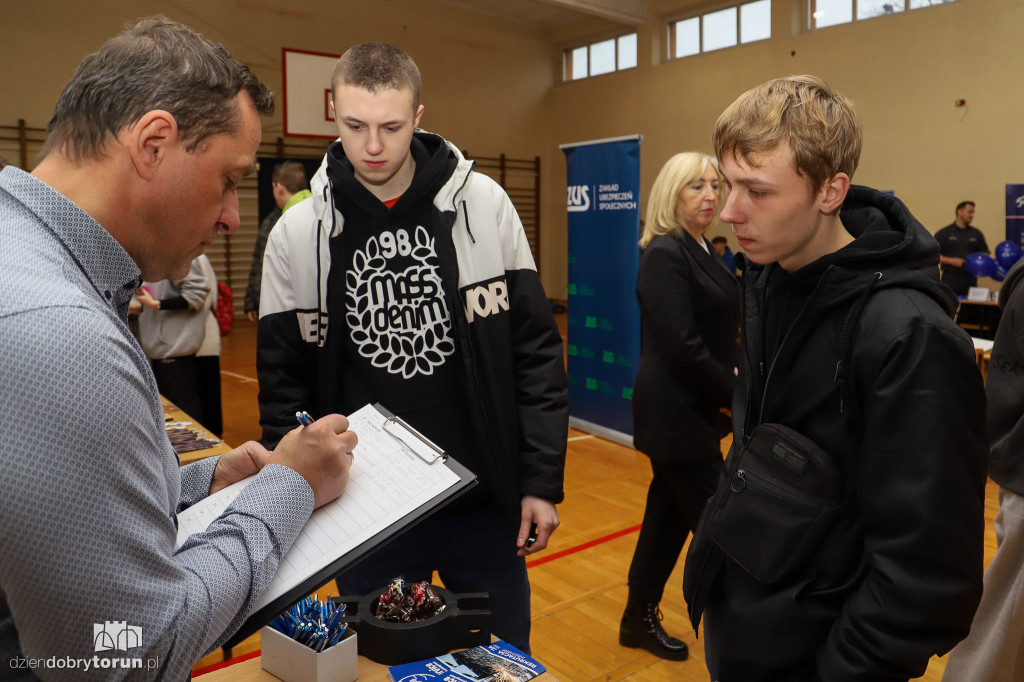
{"type": "Point", "coordinates": [641, 627]}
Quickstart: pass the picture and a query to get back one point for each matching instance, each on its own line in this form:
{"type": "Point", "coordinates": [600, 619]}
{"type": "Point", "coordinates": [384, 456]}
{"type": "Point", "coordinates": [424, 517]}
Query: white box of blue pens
{"type": "Point", "coordinates": [285, 658]}
{"type": "Point", "coordinates": [316, 648]}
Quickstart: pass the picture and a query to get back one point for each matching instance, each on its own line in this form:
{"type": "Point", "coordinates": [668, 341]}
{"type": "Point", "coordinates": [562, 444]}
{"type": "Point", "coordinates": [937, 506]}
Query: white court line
{"type": "Point", "coordinates": [239, 377]}
{"type": "Point", "coordinates": [580, 438]}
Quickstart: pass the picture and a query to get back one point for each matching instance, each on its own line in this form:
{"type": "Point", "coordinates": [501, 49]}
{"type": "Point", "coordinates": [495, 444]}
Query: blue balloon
{"type": "Point", "coordinates": [980, 264]}
{"type": "Point", "coordinates": [1007, 253]}
{"type": "Point", "coordinates": [1000, 274]}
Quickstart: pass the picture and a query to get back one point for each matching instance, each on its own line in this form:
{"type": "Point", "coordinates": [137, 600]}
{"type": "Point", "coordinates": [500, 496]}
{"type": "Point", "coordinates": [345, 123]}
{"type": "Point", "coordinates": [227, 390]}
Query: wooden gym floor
{"type": "Point", "coordinates": [579, 582]}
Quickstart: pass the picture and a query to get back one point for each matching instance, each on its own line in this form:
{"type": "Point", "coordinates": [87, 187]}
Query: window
{"type": "Point", "coordinates": [602, 57]}
{"type": "Point", "coordinates": [727, 27]}
{"type": "Point", "coordinates": [831, 12]}
{"type": "Point", "coordinates": [627, 52]}
{"type": "Point", "coordinates": [719, 29]}
{"type": "Point", "coordinates": [755, 21]}
{"type": "Point", "coordinates": [687, 38]}
{"type": "Point", "coordinates": [605, 56]}
{"type": "Point", "coordinates": [876, 8]}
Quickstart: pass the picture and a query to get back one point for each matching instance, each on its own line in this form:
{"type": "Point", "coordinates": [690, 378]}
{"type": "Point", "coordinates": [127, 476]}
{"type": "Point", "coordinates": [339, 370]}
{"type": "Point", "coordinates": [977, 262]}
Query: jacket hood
{"type": "Point", "coordinates": [890, 248]}
{"type": "Point", "coordinates": [445, 198]}
{"type": "Point", "coordinates": [433, 163]}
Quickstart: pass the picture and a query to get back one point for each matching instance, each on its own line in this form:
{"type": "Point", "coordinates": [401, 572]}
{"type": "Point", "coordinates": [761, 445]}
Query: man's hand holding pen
{"type": "Point", "coordinates": [322, 453]}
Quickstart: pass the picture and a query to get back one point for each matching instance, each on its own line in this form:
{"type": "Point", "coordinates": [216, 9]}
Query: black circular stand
{"type": "Point", "coordinates": [464, 622]}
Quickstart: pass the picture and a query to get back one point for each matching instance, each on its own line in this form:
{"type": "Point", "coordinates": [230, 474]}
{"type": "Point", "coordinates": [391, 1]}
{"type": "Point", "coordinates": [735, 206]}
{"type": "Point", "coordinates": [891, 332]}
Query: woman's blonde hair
{"type": "Point", "coordinates": [681, 169]}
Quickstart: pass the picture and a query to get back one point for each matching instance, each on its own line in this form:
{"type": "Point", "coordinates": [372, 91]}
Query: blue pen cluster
{"type": "Point", "coordinates": [312, 622]}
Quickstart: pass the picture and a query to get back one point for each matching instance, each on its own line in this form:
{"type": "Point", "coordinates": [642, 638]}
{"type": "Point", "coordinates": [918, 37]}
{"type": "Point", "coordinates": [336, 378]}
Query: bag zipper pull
{"type": "Point", "coordinates": [739, 481]}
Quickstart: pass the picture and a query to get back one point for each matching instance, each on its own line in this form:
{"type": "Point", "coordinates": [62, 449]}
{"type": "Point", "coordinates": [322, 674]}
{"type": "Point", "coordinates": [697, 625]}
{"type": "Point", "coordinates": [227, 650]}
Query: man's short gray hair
{"type": "Point", "coordinates": [154, 64]}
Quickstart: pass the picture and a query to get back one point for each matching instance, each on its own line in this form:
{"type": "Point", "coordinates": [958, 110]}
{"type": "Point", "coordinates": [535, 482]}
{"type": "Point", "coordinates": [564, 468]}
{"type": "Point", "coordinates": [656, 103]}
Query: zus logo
{"type": "Point", "coordinates": [483, 301]}
{"type": "Point", "coordinates": [579, 198]}
{"type": "Point", "coordinates": [1020, 202]}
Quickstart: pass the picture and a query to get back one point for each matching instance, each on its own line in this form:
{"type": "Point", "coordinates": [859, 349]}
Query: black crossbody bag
{"type": "Point", "coordinates": [771, 513]}
{"type": "Point", "coordinates": [768, 515]}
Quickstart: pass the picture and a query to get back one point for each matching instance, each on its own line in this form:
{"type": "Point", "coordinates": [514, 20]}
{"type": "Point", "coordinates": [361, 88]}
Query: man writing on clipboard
{"type": "Point", "coordinates": [139, 173]}
{"type": "Point", "coordinates": [413, 285]}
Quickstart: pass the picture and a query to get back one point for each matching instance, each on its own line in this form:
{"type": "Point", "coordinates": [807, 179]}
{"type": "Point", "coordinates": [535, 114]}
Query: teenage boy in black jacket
{"type": "Point", "coordinates": [847, 340]}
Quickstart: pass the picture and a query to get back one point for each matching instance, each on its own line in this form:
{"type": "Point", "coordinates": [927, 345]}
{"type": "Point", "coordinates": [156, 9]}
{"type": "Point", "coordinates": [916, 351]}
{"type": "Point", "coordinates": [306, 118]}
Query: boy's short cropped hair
{"type": "Point", "coordinates": [292, 175]}
{"type": "Point", "coordinates": [375, 67]}
{"type": "Point", "coordinates": [818, 123]}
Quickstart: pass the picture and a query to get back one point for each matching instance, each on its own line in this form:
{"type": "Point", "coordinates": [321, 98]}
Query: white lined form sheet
{"type": "Point", "coordinates": [386, 483]}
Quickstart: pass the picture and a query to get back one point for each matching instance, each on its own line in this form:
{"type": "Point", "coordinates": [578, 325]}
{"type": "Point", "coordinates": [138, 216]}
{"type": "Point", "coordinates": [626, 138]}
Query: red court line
{"type": "Point", "coordinates": [224, 664]}
{"type": "Point", "coordinates": [580, 548]}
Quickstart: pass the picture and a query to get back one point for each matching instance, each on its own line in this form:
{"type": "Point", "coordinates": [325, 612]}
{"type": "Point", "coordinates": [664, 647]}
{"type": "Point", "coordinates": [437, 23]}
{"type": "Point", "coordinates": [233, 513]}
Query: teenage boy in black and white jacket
{"type": "Point", "coordinates": [407, 279]}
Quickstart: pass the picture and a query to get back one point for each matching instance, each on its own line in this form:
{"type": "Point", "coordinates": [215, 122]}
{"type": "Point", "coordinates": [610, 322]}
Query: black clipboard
{"type": "Point", "coordinates": [401, 430]}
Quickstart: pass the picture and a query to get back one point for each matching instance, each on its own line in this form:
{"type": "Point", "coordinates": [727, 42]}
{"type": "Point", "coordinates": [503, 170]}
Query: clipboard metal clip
{"type": "Point", "coordinates": [414, 440]}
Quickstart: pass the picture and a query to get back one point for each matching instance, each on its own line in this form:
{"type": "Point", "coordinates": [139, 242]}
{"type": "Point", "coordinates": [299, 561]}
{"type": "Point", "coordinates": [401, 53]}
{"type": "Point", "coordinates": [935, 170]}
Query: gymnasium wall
{"type": "Point", "coordinates": [904, 72]}
{"type": "Point", "coordinates": [494, 86]}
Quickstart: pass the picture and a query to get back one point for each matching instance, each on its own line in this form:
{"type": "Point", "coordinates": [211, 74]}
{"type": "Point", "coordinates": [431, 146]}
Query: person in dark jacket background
{"type": "Point", "coordinates": [957, 241]}
{"type": "Point", "coordinates": [721, 246]}
{"type": "Point", "coordinates": [847, 340]}
{"type": "Point", "coordinates": [994, 651]}
{"type": "Point", "coordinates": [689, 309]}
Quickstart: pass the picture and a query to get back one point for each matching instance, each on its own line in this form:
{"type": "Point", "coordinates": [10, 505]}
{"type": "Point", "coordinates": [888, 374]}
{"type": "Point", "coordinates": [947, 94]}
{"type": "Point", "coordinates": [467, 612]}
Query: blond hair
{"type": "Point", "coordinates": [680, 170]}
{"type": "Point", "coordinates": [818, 123]}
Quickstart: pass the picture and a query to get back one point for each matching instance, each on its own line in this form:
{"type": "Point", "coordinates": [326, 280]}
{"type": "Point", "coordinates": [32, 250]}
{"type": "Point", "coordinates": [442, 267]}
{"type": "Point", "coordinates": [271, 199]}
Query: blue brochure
{"type": "Point", "coordinates": [491, 663]}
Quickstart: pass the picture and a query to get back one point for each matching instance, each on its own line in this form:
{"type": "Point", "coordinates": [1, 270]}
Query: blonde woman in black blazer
{"type": "Point", "coordinates": [689, 308]}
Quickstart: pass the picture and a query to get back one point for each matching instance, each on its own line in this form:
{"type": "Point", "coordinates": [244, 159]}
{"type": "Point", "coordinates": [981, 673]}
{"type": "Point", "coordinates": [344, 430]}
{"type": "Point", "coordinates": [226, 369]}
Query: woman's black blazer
{"type": "Point", "coordinates": [690, 311]}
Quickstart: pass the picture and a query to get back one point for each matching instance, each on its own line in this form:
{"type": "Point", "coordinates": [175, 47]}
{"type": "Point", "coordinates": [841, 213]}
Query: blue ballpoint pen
{"type": "Point", "coordinates": [304, 418]}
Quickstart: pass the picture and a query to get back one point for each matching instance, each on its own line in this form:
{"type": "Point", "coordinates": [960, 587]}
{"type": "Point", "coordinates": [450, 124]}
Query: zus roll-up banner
{"type": "Point", "coordinates": [1015, 214]}
{"type": "Point", "coordinates": [604, 319]}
